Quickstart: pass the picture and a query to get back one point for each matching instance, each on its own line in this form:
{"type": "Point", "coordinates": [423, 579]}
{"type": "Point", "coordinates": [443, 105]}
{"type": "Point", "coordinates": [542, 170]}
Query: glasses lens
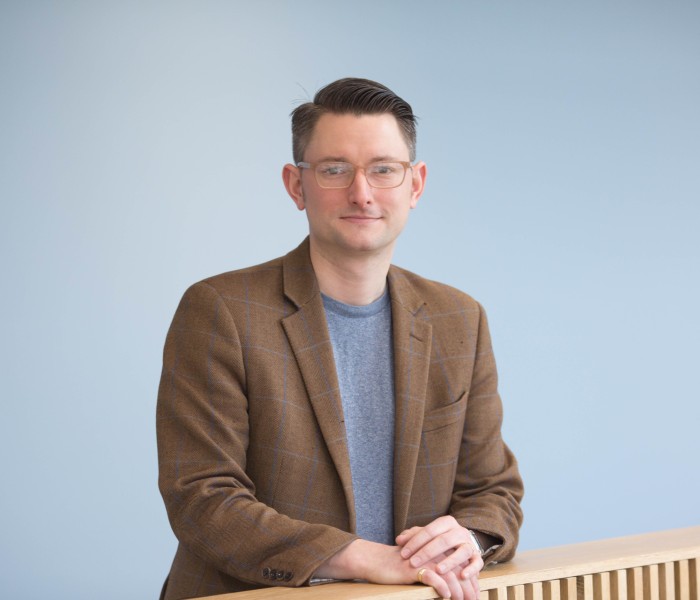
{"type": "Point", "coordinates": [386, 174]}
{"type": "Point", "coordinates": [334, 174]}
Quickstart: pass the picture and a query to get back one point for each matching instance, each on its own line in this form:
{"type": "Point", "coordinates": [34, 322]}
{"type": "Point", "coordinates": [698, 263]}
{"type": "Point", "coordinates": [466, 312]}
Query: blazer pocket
{"type": "Point", "coordinates": [445, 415]}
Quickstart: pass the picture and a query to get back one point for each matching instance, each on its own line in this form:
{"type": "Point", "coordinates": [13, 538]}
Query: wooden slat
{"type": "Point", "coordinates": [569, 589]}
{"type": "Point", "coordinates": [601, 586]}
{"type": "Point", "coordinates": [585, 587]}
{"type": "Point", "coordinates": [694, 572]}
{"type": "Point", "coordinates": [667, 584]}
{"type": "Point", "coordinates": [502, 593]}
{"type": "Point", "coordinates": [534, 591]}
{"type": "Point", "coordinates": [635, 583]}
{"type": "Point", "coordinates": [516, 592]}
{"type": "Point", "coordinates": [552, 590]}
{"type": "Point", "coordinates": [651, 582]}
{"type": "Point", "coordinates": [682, 575]}
{"type": "Point", "coordinates": [618, 584]}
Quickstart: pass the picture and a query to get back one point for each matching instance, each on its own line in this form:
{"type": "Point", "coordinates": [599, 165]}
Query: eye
{"type": "Point", "coordinates": [384, 168]}
{"type": "Point", "coordinates": [334, 169]}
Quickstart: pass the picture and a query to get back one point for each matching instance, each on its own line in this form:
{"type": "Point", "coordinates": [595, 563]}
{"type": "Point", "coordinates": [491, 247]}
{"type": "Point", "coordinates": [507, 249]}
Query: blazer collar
{"type": "Point", "coordinates": [300, 283]}
{"type": "Point", "coordinates": [412, 347]}
{"type": "Point", "coordinates": [307, 332]}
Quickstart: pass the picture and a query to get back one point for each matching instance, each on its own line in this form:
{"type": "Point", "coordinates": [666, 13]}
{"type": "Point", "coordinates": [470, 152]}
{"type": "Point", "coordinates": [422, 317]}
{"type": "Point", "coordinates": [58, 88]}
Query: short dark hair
{"type": "Point", "coordinates": [356, 96]}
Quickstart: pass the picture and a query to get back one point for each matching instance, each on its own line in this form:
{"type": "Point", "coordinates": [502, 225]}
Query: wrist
{"type": "Point", "coordinates": [347, 563]}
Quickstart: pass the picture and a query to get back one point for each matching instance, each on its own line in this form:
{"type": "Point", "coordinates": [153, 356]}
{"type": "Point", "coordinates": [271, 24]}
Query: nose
{"type": "Point", "coordinates": [360, 190]}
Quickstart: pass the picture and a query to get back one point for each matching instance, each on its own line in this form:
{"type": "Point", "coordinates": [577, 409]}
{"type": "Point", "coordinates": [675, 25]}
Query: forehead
{"type": "Point", "coordinates": [357, 138]}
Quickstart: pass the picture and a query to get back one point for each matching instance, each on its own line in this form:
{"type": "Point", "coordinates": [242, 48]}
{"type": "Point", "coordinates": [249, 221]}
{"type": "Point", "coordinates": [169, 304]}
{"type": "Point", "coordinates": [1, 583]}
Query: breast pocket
{"type": "Point", "coordinates": [445, 416]}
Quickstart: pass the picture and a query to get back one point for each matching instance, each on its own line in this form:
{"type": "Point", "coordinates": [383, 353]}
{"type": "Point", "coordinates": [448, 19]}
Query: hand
{"type": "Point", "coordinates": [371, 561]}
{"type": "Point", "coordinates": [378, 563]}
{"type": "Point", "coordinates": [447, 545]}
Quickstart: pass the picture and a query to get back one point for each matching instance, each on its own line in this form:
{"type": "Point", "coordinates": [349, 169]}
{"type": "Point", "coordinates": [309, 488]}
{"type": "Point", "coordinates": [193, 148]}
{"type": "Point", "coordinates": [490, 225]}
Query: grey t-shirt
{"type": "Point", "coordinates": [363, 350]}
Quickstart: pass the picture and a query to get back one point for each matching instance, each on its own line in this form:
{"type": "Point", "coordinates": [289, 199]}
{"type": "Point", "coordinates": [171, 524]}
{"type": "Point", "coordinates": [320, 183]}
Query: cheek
{"type": "Point", "coordinates": [402, 206]}
{"type": "Point", "coordinates": [316, 211]}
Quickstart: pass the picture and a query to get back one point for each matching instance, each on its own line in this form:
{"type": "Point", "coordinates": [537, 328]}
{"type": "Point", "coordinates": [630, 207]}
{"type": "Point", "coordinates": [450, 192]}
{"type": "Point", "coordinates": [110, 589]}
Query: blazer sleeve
{"type": "Point", "coordinates": [488, 487]}
{"type": "Point", "coordinates": [203, 433]}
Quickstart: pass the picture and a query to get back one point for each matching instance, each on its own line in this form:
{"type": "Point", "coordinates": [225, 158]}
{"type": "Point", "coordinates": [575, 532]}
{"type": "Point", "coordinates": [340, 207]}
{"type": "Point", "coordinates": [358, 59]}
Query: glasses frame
{"type": "Point", "coordinates": [312, 166]}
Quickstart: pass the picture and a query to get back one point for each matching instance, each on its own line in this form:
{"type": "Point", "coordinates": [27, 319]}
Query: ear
{"type": "Point", "coordinates": [291, 175]}
{"type": "Point", "coordinates": [419, 173]}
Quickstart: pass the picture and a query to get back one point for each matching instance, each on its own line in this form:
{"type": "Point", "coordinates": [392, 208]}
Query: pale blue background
{"type": "Point", "coordinates": [141, 150]}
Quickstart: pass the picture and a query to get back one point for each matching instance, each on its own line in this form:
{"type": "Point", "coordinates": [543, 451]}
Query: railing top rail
{"type": "Point", "coordinates": [527, 567]}
{"type": "Point", "coordinates": [594, 557]}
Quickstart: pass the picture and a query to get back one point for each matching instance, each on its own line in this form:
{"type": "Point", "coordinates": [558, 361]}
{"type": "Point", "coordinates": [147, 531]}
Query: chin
{"type": "Point", "coordinates": [369, 246]}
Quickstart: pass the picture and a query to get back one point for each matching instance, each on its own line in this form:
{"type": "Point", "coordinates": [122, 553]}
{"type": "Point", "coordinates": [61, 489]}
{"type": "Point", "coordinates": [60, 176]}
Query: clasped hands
{"type": "Point", "coordinates": [444, 554]}
{"type": "Point", "coordinates": [441, 551]}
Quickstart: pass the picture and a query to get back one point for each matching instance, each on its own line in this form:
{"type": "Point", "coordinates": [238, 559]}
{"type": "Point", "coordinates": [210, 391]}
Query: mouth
{"type": "Point", "coordinates": [360, 218]}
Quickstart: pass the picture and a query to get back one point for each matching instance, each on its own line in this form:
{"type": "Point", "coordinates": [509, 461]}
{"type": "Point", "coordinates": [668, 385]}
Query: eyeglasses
{"type": "Point", "coordinates": [335, 175]}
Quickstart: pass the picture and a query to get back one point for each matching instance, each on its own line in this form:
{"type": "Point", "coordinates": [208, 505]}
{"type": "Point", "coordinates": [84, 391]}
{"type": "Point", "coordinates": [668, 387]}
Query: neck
{"type": "Point", "coordinates": [357, 280]}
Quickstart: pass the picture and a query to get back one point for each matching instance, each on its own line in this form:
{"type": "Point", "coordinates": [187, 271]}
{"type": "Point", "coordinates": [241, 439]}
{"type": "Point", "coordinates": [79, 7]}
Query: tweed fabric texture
{"type": "Point", "coordinates": [253, 458]}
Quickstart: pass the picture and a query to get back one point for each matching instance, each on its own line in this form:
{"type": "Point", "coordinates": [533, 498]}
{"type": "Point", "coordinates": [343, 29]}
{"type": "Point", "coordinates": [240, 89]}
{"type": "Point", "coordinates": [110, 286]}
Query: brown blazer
{"type": "Point", "coordinates": [254, 467]}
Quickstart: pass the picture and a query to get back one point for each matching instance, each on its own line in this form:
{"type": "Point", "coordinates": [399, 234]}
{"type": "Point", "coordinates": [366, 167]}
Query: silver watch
{"type": "Point", "coordinates": [484, 553]}
{"type": "Point", "coordinates": [476, 543]}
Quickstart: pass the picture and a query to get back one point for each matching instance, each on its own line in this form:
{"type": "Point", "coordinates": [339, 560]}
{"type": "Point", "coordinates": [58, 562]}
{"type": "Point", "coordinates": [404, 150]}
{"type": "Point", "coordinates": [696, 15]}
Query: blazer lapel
{"type": "Point", "coordinates": [412, 344]}
{"type": "Point", "coordinates": [307, 332]}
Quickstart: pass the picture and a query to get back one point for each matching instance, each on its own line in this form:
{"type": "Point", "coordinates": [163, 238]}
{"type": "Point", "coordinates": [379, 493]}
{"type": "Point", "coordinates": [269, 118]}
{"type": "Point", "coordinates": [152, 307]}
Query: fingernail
{"type": "Point", "coordinates": [405, 553]}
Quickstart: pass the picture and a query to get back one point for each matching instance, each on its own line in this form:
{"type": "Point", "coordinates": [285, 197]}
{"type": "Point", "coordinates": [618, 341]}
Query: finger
{"type": "Point", "coordinates": [427, 533]}
{"type": "Point", "coordinates": [415, 543]}
{"type": "Point", "coordinates": [406, 535]}
{"type": "Point", "coordinates": [463, 557]}
{"type": "Point", "coordinates": [455, 585]}
{"type": "Point", "coordinates": [473, 568]}
{"type": "Point", "coordinates": [467, 589]}
{"type": "Point", "coordinates": [442, 544]}
{"type": "Point", "coordinates": [471, 588]}
{"type": "Point", "coordinates": [434, 580]}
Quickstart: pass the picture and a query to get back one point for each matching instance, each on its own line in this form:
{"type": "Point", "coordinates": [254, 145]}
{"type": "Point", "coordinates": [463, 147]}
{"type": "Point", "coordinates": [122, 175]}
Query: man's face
{"type": "Point", "coordinates": [359, 219]}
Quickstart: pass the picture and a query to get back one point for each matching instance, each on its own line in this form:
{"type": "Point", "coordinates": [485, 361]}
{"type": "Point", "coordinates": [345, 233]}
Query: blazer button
{"type": "Point", "coordinates": [266, 572]}
{"type": "Point", "coordinates": [280, 575]}
{"type": "Point", "coordinates": [288, 576]}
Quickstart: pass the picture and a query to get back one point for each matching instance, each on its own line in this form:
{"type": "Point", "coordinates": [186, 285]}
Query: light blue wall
{"type": "Point", "coordinates": [141, 150]}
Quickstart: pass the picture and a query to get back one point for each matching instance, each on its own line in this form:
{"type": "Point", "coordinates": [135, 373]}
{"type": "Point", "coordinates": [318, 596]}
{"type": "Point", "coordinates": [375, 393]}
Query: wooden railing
{"type": "Point", "coordinates": [655, 566]}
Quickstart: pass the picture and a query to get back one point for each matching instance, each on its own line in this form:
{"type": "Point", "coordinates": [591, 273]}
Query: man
{"type": "Point", "coordinates": [327, 415]}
